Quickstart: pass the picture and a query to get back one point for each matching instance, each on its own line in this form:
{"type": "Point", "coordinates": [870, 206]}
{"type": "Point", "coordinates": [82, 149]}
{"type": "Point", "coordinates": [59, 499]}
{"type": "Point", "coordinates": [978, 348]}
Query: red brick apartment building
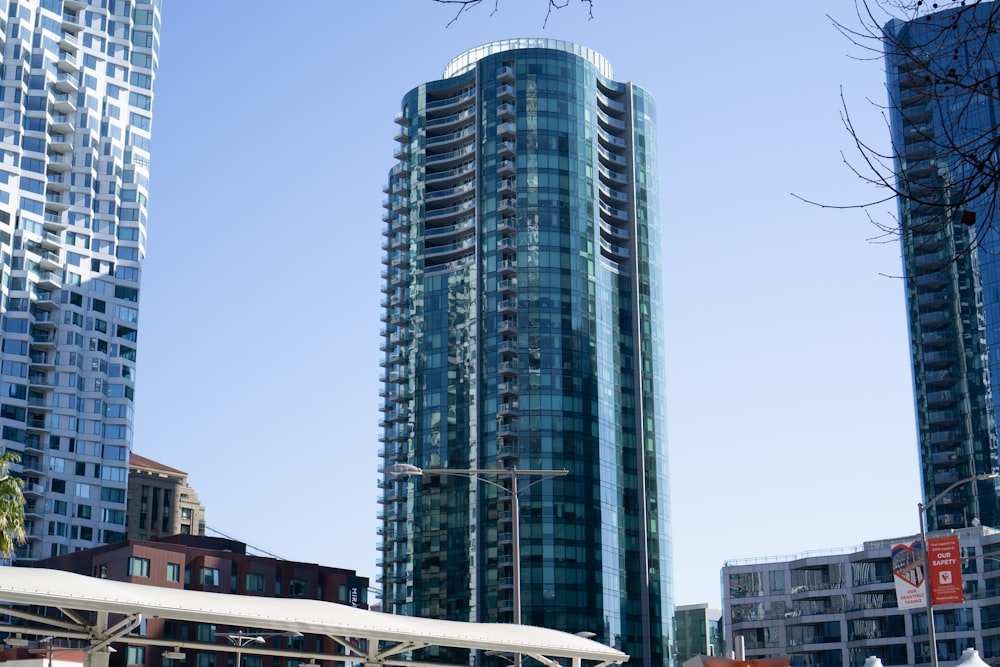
{"type": "Point", "coordinates": [197, 562]}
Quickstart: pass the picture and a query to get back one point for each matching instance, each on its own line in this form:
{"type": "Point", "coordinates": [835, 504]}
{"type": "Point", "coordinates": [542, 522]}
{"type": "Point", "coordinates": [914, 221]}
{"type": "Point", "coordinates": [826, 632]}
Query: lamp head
{"type": "Point", "coordinates": [403, 469]}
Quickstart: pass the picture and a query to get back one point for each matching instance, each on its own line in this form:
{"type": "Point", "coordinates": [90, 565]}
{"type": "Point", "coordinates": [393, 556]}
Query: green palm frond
{"type": "Point", "coordinates": [12, 531]}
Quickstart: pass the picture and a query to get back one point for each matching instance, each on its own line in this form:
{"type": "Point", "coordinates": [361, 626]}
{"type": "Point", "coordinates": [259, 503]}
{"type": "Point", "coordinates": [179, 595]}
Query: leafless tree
{"type": "Point", "coordinates": [942, 163]}
{"type": "Point", "coordinates": [466, 5]}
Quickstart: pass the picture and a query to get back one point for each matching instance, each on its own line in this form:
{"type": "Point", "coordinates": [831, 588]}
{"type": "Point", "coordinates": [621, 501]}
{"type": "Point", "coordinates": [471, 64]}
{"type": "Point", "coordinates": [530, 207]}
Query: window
{"type": "Point", "coordinates": [113, 495]}
{"type": "Point", "coordinates": [136, 655]}
{"type": "Point", "coordinates": [254, 582]}
{"type": "Point", "coordinates": [186, 513]}
{"type": "Point", "coordinates": [138, 567]}
{"type": "Point", "coordinates": [174, 572]}
{"type": "Point", "coordinates": [208, 576]}
{"type": "Point", "coordinates": [114, 516]}
{"type": "Point", "coordinates": [113, 474]}
{"type": "Point", "coordinates": [206, 632]}
{"type": "Point", "coordinates": [297, 588]}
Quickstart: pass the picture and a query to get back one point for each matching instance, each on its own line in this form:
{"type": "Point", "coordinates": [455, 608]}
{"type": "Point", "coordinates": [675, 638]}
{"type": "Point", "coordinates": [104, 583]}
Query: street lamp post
{"type": "Point", "coordinates": [514, 473]}
{"type": "Point", "coordinates": [49, 647]}
{"type": "Point", "coordinates": [241, 640]}
{"type": "Point", "coordinates": [922, 510]}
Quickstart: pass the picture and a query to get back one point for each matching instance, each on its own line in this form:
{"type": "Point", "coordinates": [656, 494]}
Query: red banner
{"type": "Point", "coordinates": [945, 570]}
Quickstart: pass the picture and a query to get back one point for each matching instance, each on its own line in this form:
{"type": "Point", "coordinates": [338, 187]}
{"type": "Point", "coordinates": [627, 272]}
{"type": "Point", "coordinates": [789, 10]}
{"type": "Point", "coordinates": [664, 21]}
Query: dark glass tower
{"type": "Point", "coordinates": [523, 328]}
{"type": "Point", "coordinates": [953, 293]}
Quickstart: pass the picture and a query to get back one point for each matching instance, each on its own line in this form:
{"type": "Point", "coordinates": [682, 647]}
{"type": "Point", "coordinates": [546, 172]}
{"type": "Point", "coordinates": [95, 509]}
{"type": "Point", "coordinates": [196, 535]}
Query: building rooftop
{"type": "Point", "coordinates": [468, 59]}
{"type": "Point", "coordinates": [138, 461]}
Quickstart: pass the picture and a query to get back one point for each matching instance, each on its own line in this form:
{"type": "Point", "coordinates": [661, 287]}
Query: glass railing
{"type": "Point", "coordinates": [454, 136]}
{"type": "Point", "coordinates": [461, 97]}
{"type": "Point", "coordinates": [466, 168]}
{"type": "Point", "coordinates": [454, 118]}
{"type": "Point", "coordinates": [441, 157]}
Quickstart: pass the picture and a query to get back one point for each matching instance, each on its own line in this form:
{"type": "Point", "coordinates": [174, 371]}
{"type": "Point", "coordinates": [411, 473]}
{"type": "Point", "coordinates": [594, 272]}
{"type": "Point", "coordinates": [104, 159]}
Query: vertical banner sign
{"type": "Point", "coordinates": [945, 576]}
{"type": "Point", "coordinates": [908, 573]}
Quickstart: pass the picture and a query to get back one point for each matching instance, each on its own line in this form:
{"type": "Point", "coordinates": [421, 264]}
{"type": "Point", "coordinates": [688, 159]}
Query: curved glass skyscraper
{"type": "Point", "coordinates": [523, 328]}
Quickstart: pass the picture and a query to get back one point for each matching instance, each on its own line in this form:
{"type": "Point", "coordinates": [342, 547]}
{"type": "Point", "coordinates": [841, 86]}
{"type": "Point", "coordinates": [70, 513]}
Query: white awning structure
{"type": "Point", "coordinates": [389, 638]}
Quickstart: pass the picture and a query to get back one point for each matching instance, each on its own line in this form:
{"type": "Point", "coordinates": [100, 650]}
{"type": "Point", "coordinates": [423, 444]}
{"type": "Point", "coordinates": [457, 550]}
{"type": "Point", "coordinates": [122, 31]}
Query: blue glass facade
{"type": "Point", "coordinates": [952, 282]}
{"type": "Point", "coordinates": [522, 328]}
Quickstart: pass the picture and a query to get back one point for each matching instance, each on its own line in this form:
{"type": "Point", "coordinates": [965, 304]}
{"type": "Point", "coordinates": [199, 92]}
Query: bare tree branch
{"type": "Point", "coordinates": [466, 5]}
{"type": "Point", "coordinates": [942, 164]}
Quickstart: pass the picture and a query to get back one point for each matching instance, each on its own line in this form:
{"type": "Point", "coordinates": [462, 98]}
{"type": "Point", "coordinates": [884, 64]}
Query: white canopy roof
{"type": "Point", "coordinates": [389, 636]}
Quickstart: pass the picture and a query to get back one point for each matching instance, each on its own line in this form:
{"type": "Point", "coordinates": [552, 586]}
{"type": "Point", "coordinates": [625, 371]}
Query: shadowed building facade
{"type": "Point", "coordinates": [523, 327]}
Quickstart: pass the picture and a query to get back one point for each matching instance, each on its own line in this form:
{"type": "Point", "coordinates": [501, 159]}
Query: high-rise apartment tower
{"type": "Point", "coordinates": [952, 281]}
{"type": "Point", "coordinates": [523, 328]}
{"type": "Point", "coordinates": [76, 82]}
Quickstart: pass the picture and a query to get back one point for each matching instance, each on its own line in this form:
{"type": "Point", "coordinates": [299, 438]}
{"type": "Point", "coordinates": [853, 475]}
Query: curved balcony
{"type": "Point", "coordinates": [441, 177]}
{"type": "Point", "coordinates": [612, 158]}
{"type": "Point", "coordinates": [445, 140]}
{"type": "Point", "coordinates": [507, 267]}
{"type": "Point", "coordinates": [442, 214]}
{"type": "Point", "coordinates": [936, 319]}
{"type": "Point", "coordinates": [508, 448]}
{"type": "Point", "coordinates": [507, 225]}
{"type": "Point", "coordinates": [619, 233]}
{"type": "Point", "coordinates": [507, 326]}
{"type": "Point", "coordinates": [447, 232]}
{"type": "Point", "coordinates": [611, 123]}
{"type": "Point", "coordinates": [507, 429]}
{"type": "Point", "coordinates": [942, 358]}
{"type": "Point", "coordinates": [612, 194]}
{"type": "Point", "coordinates": [446, 121]}
{"type": "Point", "coordinates": [451, 156]}
{"type": "Point", "coordinates": [507, 306]}
{"type": "Point", "coordinates": [935, 339]}
{"type": "Point", "coordinates": [507, 408]}
{"type": "Point", "coordinates": [507, 348]}
{"type": "Point", "coordinates": [508, 186]}
{"type": "Point", "coordinates": [610, 104]}
{"type": "Point", "coordinates": [451, 250]}
{"type": "Point", "coordinates": [447, 103]}
{"type": "Point", "coordinates": [439, 196]}
{"type": "Point", "coordinates": [612, 176]}
{"type": "Point", "coordinates": [617, 213]}
{"type": "Point", "coordinates": [616, 252]}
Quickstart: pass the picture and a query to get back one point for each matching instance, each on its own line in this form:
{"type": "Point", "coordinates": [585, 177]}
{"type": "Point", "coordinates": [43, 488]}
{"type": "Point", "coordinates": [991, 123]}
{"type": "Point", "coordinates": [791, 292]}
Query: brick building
{"type": "Point", "coordinates": [218, 565]}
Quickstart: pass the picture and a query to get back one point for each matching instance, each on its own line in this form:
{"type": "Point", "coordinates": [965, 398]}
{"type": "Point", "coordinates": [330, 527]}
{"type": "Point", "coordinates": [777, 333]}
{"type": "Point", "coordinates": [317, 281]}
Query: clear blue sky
{"type": "Point", "coordinates": [790, 403]}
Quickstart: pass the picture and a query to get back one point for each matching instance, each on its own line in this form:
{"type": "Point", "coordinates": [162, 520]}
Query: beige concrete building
{"type": "Point", "coordinates": [160, 502]}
